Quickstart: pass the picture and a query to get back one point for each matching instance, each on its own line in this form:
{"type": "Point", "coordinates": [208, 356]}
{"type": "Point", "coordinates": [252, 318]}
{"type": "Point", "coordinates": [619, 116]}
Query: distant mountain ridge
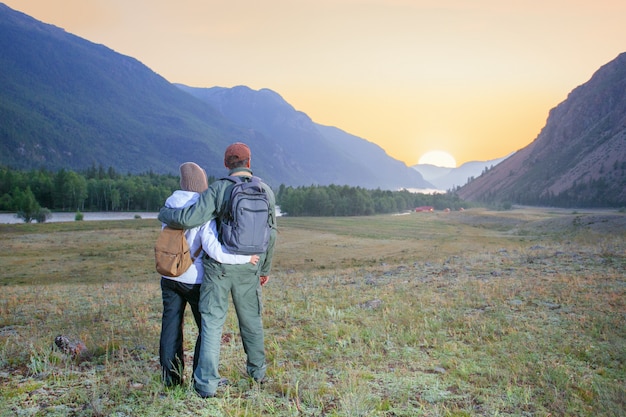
{"type": "Point", "coordinates": [445, 179]}
{"type": "Point", "coordinates": [308, 152]}
{"type": "Point", "coordinates": [578, 158]}
{"type": "Point", "coordinates": [68, 103]}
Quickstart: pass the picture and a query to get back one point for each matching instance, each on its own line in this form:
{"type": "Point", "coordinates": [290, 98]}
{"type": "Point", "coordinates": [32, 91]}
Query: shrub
{"type": "Point", "coordinates": [27, 206]}
{"type": "Point", "coordinates": [42, 215]}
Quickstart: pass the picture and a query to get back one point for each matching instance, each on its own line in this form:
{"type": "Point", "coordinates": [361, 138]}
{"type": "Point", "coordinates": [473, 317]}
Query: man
{"type": "Point", "coordinates": [243, 282]}
{"type": "Point", "coordinates": [179, 291]}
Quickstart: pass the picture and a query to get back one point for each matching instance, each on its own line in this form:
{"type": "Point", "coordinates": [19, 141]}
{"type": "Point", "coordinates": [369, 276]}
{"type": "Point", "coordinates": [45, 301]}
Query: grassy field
{"type": "Point", "coordinates": [475, 313]}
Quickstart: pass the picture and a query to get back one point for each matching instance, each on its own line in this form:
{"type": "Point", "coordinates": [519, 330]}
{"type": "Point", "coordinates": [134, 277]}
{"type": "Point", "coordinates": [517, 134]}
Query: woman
{"type": "Point", "coordinates": [178, 291]}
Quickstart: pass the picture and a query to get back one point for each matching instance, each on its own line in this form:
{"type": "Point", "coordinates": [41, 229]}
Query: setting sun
{"type": "Point", "coordinates": [438, 158]}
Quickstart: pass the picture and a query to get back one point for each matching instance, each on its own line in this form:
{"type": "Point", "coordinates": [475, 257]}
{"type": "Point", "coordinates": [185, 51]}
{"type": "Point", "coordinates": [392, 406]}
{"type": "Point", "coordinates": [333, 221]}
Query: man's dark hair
{"type": "Point", "coordinates": [234, 162]}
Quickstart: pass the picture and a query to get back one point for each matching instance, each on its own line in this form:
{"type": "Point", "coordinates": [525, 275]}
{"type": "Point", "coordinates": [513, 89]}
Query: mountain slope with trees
{"type": "Point", "coordinates": [67, 103]}
{"type": "Point", "coordinates": [579, 157]}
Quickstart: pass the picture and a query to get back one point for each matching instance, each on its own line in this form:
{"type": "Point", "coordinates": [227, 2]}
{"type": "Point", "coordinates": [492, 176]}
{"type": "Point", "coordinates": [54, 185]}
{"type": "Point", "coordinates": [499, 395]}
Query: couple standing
{"type": "Point", "coordinates": [212, 277]}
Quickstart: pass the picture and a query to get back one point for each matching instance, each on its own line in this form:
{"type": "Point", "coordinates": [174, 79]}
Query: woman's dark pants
{"type": "Point", "coordinates": [176, 295]}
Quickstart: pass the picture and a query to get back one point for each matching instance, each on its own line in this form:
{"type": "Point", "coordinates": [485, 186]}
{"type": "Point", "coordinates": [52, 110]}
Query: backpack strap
{"type": "Point", "coordinates": [195, 255]}
{"type": "Point", "coordinates": [237, 178]}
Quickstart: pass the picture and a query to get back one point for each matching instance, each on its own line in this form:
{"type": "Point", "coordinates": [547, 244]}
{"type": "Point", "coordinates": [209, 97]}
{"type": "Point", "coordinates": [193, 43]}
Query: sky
{"type": "Point", "coordinates": [473, 80]}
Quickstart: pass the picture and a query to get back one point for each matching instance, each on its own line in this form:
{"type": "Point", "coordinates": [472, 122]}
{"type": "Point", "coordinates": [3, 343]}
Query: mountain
{"type": "Point", "coordinates": [307, 152]}
{"type": "Point", "coordinates": [444, 178]}
{"type": "Point", "coordinates": [579, 157]}
{"type": "Point", "coordinates": [68, 103]}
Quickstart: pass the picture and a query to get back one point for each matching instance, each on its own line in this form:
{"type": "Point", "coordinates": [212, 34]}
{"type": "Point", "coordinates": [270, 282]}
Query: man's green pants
{"type": "Point", "coordinates": [242, 281]}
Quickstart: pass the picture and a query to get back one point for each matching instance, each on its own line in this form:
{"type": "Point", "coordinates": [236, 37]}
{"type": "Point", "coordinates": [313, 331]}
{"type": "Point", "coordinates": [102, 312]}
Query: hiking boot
{"type": "Point", "coordinates": [204, 395]}
{"type": "Point", "coordinates": [261, 381]}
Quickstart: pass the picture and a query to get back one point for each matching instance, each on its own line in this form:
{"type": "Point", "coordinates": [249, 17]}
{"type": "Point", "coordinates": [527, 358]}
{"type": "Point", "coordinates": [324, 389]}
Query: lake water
{"type": "Point", "coordinates": [10, 218]}
{"type": "Point", "coordinates": [69, 217]}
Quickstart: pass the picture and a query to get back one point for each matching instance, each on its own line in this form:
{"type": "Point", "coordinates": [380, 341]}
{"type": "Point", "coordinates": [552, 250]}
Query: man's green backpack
{"type": "Point", "coordinates": [172, 255]}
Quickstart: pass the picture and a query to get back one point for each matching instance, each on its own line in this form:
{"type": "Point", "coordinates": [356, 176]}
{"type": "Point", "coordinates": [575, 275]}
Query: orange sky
{"type": "Point", "coordinates": [474, 78]}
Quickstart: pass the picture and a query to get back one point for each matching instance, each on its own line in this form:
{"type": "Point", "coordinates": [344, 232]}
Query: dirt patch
{"type": "Point", "coordinates": [534, 220]}
{"type": "Point", "coordinates": [609, 224]}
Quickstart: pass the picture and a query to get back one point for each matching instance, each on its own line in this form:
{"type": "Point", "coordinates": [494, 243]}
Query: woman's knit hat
{"type": "Point", "coordinates": [193, 178]}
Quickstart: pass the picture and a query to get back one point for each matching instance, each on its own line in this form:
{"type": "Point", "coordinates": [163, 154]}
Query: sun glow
{"type": "Point", "coordinates": [438, 158]}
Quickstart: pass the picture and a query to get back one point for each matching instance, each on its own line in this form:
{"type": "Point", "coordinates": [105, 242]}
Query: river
{"type": "Point", "coordinates": [87, 216]}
